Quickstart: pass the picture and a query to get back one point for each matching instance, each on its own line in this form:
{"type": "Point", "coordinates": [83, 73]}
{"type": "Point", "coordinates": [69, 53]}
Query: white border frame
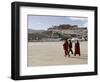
{"type": "Point", "coordinates": [24, 70]}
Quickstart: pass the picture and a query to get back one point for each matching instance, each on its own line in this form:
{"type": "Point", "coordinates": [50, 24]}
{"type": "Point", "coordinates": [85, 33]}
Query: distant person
{"type": "Point", "coordinates": [77, 48]}
{"type": "Point", "coordinates": [65, 46]}
{"type": "Point", "coordinates": [70, 47]}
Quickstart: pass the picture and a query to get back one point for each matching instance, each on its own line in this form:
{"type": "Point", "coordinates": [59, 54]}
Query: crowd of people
{"type": "Point", "coordinates": [68, 48]}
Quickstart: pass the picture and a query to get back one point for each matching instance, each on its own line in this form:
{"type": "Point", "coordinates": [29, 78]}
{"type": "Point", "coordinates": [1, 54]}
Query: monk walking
{"type": "Point", "coordinates": [65, 46]}
{"type": "Point", "coordinates": [70, 47]}
{"type": "Point", "coordinates": [77, 48]}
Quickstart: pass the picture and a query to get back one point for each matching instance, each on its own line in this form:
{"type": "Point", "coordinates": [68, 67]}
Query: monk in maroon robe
{"type": "Point", "coordinates": [65, 46]}
{"type": "Point", "coordinates": [77, 48]}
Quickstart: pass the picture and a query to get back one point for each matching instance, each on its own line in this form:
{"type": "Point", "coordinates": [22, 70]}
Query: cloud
{"type": "Point", "coordinates": [78, 18]}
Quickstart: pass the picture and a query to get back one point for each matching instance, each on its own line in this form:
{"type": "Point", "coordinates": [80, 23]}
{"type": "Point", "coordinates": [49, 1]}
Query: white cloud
{"type": "Point", "coordinates": [78, 18]}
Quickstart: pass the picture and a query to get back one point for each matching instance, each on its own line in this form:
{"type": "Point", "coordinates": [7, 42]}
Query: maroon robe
{"type": "Point", "coordinates": [77, 48]}
{"type": "Point", "coordinates": [65, 46]}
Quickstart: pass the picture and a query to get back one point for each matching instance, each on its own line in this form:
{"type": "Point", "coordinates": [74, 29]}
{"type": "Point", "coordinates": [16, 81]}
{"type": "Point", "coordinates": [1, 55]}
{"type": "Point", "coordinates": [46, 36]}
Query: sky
{"type": "Point", "coordinates": [43, 22]}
